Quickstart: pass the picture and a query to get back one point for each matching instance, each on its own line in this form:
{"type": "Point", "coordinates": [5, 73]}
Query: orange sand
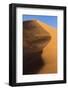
{"type": "Point", "coordinates": [49, 54]}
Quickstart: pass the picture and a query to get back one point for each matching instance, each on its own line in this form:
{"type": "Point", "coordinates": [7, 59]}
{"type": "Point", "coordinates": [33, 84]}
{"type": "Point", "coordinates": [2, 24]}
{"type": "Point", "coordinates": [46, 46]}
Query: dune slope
{"type": "Point", "coordinates": [50, 51]}
{"type": "Point", "coordinates": [38, 37]}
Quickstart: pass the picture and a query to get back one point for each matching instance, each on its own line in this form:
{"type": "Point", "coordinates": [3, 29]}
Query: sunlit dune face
{"type": "Point", "coordinates": [35, 37]}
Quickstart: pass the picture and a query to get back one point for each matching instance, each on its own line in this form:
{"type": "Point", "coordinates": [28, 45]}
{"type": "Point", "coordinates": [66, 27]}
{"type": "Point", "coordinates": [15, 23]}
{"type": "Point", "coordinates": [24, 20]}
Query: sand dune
{"type": "Point", "coordinates": [50, 52]}
{"type": "Point", "coordinates": [39, 37]}
{"type": "Point", "coordinates": [35, 36]}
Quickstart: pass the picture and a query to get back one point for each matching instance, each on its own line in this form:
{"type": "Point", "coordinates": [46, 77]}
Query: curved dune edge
{"type": "Point", "coordinates": [49, 54]}
{"type": "Point", "coordinates": [35, 39]}
{"type": "Point", "coordinates": [35, 36]}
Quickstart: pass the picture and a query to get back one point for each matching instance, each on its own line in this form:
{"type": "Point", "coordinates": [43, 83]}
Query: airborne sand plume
{"type": "Point", "coordinates": [40, 48]}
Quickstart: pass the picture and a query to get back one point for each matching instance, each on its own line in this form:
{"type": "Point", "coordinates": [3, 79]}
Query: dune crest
{"type": "Point", "coordinates": [38, 37]}
{"type": "Point", "coordinates": [50, 52]}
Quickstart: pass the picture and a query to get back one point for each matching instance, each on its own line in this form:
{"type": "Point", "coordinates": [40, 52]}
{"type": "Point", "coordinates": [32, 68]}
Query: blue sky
{"type": "Point", "coordinates": [51, 20]}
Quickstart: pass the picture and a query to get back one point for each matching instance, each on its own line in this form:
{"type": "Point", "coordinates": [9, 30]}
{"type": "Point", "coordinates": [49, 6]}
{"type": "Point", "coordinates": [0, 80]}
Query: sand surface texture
{"type": "Point", "coordinates": [39, 37]}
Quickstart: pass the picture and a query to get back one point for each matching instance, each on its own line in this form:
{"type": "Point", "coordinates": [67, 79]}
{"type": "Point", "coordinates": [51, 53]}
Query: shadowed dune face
{"type": "Point", "coordinates": [35, 37]}
{"type": "Point", "coordinates": [38, 37]}
{"type": "Point", "coordinates": [34, 40]}
{"type": "Point", "coordinates": [32, 63]}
